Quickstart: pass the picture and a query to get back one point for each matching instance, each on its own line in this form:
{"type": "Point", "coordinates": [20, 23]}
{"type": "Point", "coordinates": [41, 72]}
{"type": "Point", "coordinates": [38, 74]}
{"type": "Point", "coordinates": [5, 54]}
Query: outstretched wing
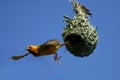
{"type": "Point", "coordinates": [18, 57]}
{"type": "Point", "coordinates": [53, 42]}
{"type": "Point", "coordinates": [48, 47]}
{"type": "Point", "coordinates": [48, 44]}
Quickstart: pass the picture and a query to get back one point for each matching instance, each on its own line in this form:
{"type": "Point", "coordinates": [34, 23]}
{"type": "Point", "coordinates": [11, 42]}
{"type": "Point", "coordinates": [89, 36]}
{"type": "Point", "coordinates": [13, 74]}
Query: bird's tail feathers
{"type": "Point", "coordinates": [65, 43]}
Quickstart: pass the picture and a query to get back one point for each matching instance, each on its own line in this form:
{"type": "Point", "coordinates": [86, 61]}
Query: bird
{"type": "Point", "coordinates": [47, 48]}
{"type": "Point", "coordinates": [78, 6]}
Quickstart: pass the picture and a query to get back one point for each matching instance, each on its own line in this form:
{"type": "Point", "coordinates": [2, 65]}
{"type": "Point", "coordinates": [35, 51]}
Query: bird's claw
{"type": "Point", "coordinates": [57, 58]}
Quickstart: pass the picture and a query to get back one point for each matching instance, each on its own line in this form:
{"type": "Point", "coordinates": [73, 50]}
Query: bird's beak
{"type": "Point", "coordinates": [27, 49]}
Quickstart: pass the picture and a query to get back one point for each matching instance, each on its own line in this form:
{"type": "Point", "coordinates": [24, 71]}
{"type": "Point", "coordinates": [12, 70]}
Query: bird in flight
{"type": "Point", "coordinates": [47, 48]}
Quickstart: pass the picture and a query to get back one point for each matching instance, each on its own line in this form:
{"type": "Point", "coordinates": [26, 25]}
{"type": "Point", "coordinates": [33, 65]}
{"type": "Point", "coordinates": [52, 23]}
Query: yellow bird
{"type": "Point", "coordinates": [48, 48]}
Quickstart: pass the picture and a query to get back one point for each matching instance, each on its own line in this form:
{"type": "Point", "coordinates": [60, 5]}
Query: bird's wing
{"type": "Point", "coordinates": [77, 5]}
{"type": "Point", "coordinates": [87, 11]}
{"type": "Point", "coordinates": [48, 44]}
{"type": "Point", "coordinates": [52, 43]}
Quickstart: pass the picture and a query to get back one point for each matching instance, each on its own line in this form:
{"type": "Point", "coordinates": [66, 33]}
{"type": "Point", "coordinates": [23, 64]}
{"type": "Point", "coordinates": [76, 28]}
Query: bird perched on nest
{"type": "Point", "coordinates": [78, 8]}
{"type": "Point", "coordinates": [48, 48]}
{"type": "Point", "coordinates": [79, 32]}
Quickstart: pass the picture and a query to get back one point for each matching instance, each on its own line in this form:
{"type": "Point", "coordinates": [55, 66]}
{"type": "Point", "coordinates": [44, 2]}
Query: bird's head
{"type": "Point", "coordinates": [32, 49]}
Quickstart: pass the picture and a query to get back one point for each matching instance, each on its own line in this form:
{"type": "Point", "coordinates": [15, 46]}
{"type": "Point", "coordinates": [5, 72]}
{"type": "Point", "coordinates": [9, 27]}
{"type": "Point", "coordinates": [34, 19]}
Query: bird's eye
{"type": "Point", "coordinates": [29, 47]}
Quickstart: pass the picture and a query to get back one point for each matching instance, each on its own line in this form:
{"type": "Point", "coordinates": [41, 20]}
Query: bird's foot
{"type": "Point", "coordinates": [56, 58]}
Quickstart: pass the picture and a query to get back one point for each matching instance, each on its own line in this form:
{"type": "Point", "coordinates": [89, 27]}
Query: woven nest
{"type": "Point", "coordinates": [82, 36]}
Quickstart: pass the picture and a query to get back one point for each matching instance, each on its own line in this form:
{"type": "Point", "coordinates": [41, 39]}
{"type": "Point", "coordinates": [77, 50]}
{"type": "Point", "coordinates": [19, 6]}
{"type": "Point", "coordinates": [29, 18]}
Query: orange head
{"type": "Point", "coordinates": [32, 49]}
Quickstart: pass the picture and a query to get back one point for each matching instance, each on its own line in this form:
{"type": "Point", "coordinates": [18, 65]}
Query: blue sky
{"type": "Point", "coordinates": [24, 22]}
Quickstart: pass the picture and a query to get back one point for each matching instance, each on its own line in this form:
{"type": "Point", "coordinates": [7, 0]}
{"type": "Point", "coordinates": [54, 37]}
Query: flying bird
{"type": "Point", "coordinates": [47, 48]}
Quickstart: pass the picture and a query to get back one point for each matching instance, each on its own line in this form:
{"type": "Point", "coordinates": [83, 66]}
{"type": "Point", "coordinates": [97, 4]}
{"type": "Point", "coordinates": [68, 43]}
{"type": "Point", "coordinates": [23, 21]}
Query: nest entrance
{"type": "Point", "coordinates": [74, 39]}
{"type": "Point", "coordinates": [77, 44]}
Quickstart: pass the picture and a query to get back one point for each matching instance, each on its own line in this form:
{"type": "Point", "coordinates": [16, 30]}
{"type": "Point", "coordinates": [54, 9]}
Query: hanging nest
{"type": "Point", "coordinates": [82, 36]}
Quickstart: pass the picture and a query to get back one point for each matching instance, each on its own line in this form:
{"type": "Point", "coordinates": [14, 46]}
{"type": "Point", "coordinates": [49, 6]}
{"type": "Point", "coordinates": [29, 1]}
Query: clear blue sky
{"type": "Point", "coordinates": [24, 22]}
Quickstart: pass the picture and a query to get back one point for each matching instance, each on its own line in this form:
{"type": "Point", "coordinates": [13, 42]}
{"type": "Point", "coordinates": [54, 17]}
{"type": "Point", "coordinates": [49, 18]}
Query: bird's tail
{"type": "Point", "coordinates": [18, 57]}
{"type": "Point", "coordinates": [65, 43]}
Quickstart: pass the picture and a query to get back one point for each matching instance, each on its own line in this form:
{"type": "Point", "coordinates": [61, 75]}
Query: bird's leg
{"type": "Point", "coordinates": [57, 58]}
